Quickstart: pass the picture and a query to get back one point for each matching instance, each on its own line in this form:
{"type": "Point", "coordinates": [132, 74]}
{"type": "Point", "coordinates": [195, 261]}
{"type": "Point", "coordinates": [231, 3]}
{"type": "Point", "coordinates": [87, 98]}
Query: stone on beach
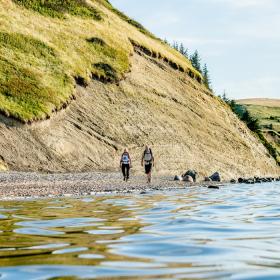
{"type": "Point", "coordinates": [178, 178]}
{"type": "Point", "coordinates": [188, 178]}
{"type": "Point", "coordinates": [191, 173]}
{"type": "Point", "coordinates": [215, 177]}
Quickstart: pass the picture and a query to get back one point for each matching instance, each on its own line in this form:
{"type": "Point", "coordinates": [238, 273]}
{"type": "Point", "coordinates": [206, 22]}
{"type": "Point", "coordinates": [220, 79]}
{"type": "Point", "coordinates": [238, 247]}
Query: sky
{"type": "Point", "coordinates": [238, 39]}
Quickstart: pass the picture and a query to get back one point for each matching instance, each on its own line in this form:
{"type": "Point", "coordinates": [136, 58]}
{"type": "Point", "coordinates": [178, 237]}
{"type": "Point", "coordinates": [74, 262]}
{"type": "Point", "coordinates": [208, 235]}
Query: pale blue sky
{"type": "Point", "coordinates": [239, 39]}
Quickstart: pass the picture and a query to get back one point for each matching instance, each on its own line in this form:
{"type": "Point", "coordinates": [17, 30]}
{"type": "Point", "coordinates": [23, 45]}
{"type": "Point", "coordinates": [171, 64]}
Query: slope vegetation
{"type": "Point", "coordinates": [267, 112]}
{"type": "Point", "coordinates": [45, 46]}
{"type": "Point", "coordinates": [90, 81]}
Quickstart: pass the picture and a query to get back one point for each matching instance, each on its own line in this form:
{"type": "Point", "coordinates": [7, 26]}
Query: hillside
{"type": "Point", "coordinates": [79, 82]}
{"type": "Point", "coordinates": [267, 112]}
{"type": "Point", "coordinates": [267, 102]}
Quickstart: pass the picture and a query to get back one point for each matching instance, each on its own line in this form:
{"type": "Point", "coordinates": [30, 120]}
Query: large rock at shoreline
{"type": "Point", "coordinates": [215, 177]}
{"type": "Point", "coordinates": [191, 173]}
{"type": "Point", "coordinates": [188, 179]}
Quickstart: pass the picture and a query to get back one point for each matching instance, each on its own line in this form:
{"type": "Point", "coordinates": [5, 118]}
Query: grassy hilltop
{"type": "Point", "coordinates": [47, 46]}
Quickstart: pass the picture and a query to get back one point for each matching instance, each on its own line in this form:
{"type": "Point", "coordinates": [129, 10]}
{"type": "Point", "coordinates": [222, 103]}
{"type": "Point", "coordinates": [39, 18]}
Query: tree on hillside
{"type": "Point", "coordinates": [251, 122]}
{"type": "Point", "coordinates": [183, 50]}
{"type": "Point", "coordinates": [175, 45]}
{"type": "Point", "coordinates": [196, 60]}
{"type": "Point", "coordinates": [206, 77]}
{"type": "Point", "coordinates": [166, 42]}
{"type": "Point", "coordinates": [225, 98]}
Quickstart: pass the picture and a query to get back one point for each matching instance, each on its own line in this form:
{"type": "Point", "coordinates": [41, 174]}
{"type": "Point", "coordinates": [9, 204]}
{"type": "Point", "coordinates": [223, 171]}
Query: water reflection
{"type": "Point", "coordinates": [198, 233]}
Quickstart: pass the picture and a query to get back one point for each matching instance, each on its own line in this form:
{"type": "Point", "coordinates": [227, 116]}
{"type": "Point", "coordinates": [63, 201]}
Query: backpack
{"type": "Point", "coordinates": [125, 158]}
{"type": "Point", "coordinates": [148, 156]}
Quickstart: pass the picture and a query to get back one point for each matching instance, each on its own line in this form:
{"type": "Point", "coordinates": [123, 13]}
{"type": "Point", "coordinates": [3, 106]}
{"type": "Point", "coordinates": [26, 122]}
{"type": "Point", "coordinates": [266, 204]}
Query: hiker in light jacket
{"type": "Point", "coordinates": [148, 162]}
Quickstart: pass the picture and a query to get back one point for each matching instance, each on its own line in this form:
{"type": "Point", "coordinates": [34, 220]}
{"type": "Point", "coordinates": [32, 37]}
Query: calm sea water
{"type": "Point", "coordinates": [198, 233]}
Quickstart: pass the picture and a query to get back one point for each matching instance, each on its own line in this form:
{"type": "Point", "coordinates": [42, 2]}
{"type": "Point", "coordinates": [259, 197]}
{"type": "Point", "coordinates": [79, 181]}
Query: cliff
{"type": "Point", "coordinates": [80, 83]}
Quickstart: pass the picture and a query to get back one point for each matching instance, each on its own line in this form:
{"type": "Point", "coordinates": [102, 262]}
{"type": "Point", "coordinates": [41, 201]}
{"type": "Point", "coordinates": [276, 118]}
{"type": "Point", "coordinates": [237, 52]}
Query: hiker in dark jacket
{"type": "Point", "coordinates": [149, 162]}
{"type": "Point", "coordinates": [125, 164]}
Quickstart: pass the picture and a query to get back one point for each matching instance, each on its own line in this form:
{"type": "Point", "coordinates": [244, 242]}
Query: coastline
{"type": "Point", "coordinates": [32, 185]}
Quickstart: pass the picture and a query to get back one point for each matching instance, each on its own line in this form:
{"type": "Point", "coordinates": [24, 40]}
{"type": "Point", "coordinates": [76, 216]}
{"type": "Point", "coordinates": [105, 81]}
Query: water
{"type": "Point", "coordinates": [198, 233]}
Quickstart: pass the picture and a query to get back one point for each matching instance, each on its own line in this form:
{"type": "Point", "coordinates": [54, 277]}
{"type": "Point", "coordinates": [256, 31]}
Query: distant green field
{"type": "Point", "coordinates": [269, 117]}
{"type": "Point", "coordinates": [269, 121]}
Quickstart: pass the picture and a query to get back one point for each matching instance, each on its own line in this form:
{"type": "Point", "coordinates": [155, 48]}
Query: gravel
{"type": "Point", "coordinates": [19, 185]}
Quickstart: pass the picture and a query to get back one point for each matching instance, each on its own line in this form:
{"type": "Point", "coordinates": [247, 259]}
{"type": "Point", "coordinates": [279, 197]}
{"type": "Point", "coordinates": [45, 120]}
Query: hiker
{"type": "Point", "coordinates": [149, 161]}
{"type": "Point", "coordinates": [125, 164]}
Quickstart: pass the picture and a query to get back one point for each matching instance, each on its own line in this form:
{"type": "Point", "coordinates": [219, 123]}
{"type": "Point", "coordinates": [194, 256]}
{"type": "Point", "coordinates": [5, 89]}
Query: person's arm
{"type": "Point", "coordinates": [130, 162]}
{"type": "Point", "coordinates": [121, 162]}
{"type": "Point", "coordinates": [153, 159]}
{"type": "Point", "coordinates": [142, 160]}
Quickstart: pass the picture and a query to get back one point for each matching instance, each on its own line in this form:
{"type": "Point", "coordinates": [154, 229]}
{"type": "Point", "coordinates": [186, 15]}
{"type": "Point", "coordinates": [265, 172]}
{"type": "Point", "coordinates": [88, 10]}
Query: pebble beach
{"type": "Point", "coordinates": [19, 185]}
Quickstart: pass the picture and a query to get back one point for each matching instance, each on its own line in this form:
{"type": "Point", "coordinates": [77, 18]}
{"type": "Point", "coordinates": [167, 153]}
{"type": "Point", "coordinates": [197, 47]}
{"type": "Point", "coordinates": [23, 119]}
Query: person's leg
{"type": "Point", "coordinates": [127, 172]}
{"type": "Point", "coordinates": [150, 175]}
{"type": "Point", "coordinates": [123, 171]}
{"type": "Point", "coordinates": [148, 172]}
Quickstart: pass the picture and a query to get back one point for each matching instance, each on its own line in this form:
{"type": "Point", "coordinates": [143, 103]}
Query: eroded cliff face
{"type": "Point", "coordinates": [184, 124]}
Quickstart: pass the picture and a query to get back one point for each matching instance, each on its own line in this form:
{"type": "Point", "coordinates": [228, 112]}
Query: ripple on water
{"type": "Point", "coordinates": [47, 246]}
{"type": "Point", "coordinates": [37, 231]}
{"type": "Point", "coordinates": [186, 234]}
{"type": "Point", "coordinates": [91, 256]}
{"type": "Point", "coordinates": [170, 252]}
{"type": "Point", "coordinates": [61, 223]}
{"type": "Point", "coordinates": [69, 250]}
{"type": "Point", "coordinates": [104, 231]}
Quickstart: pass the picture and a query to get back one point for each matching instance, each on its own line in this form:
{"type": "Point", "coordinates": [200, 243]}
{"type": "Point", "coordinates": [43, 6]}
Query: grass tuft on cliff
{"type": "Point", "coordinates": [47, 45]}
{"type": "Point", "coordinates": [58, 8]}
{"type": "Point", "coordinates": [32, 78]}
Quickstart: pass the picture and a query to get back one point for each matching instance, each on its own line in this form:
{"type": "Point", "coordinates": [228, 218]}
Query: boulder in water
{"type": "Point", "coordinates": [240, 180]}
{"type": "Point", "coordinates": [214, 187]}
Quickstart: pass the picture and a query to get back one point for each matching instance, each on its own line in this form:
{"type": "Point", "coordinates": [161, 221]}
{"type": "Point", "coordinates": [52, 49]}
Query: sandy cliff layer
{"type": "Point", "coordinates": [154, 104]}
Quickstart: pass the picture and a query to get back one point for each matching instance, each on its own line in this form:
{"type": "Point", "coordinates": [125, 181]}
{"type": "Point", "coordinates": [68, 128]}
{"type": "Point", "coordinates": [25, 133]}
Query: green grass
{"type": "Point", "coordinates": [104, 68]}
{"type": "Point", "coordinates": [41, 58]}
{"type": "Point", "coordinates": [267, 116]}
{"type": "Point", "coordinates": [58, 8]}
{"type": "Point", "coordinates": [269, 122]}
{"type": "Point", "coordinates": [25, 63]}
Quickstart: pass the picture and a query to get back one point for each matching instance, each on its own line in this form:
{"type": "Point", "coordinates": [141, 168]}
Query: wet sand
{"type": "Point", "coordinates": [18, 185]}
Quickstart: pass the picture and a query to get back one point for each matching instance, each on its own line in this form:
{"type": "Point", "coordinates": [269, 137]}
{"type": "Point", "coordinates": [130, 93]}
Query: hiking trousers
{"type": "Point", "coordinates": [125, 170]}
